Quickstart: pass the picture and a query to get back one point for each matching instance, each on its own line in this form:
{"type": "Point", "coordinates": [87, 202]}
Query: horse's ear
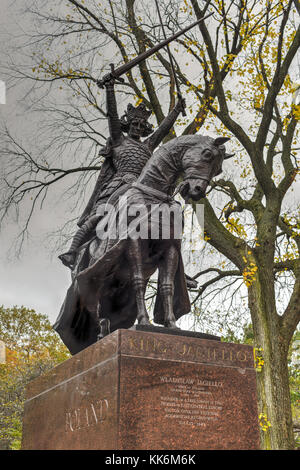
{"type": "Point", "coordinates": [220, 141]}
{"type": "Point", "coordinates": [229, 155]}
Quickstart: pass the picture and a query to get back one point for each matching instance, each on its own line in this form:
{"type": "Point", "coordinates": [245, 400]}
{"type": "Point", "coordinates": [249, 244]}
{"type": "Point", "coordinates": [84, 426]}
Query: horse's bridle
{"type": "Point", "coordinates": [196, 178]}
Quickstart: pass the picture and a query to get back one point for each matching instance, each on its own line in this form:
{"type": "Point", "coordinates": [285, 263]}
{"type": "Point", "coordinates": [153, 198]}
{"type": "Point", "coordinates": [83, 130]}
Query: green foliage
{"type": "Point", "coordinates": [30, 334]}
{"type": "Point", "coordinates": [33, 348]}
{"type": "Point", "coordinates": [246, 337]}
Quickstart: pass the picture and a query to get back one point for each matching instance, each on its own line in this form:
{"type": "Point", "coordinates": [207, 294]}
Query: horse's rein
{"type": "Point", "coordinates": [152, 192]}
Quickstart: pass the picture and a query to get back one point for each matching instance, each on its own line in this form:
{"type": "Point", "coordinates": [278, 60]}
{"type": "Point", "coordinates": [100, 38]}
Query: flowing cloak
{"type": "Point", "coordinates": [107, 280]}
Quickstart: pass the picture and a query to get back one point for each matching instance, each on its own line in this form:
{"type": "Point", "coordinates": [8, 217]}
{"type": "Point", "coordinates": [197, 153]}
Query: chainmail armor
{"type": "Point", "coordinates": [130, 157]}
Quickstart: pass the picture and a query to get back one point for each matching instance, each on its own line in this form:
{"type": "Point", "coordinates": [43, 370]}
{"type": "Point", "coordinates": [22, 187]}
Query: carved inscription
{"type": "Point", "coordinates": [91, 414]}
{"type": "Point", "coordinates": [212, 354]}
{"type": "Point", "coordinates": [191, 401]}
{"type": "Point", "coordinates": [147, 345]}
{"type": "Point", "coordinates": [185, 351]}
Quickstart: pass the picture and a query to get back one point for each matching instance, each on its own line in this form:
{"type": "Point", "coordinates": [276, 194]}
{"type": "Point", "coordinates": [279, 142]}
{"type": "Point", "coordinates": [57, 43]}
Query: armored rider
{"type": "Point", "coordinates": [125, 157]}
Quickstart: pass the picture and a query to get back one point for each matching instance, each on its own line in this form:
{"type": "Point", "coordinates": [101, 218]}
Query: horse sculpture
{"type": "Point", "coordinates": [108, 293]}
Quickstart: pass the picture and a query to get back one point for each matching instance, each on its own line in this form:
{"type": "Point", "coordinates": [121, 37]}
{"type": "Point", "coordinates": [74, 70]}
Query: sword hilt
{"type": "Point", "coordinates": [108, 77]}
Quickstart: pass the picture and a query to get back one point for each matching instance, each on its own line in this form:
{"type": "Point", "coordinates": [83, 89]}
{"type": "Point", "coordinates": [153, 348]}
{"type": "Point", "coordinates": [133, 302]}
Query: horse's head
{"type": "Point", "coordinates": [200, 164]}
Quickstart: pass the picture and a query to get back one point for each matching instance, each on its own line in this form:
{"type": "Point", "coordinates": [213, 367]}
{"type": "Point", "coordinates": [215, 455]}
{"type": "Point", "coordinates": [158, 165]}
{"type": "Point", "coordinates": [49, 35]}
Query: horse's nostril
{"type": "Point", "coordinates": [198, 189]}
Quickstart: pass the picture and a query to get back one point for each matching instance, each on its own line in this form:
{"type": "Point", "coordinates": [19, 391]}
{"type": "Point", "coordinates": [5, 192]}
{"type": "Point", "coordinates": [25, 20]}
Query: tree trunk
{"type": "Point", "coordinates": [272, 380]}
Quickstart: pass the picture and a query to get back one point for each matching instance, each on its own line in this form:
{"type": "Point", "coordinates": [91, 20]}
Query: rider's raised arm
{"type": "Point", "coordinates": [114, 124]}
{"type": "Point", "coordinates": [164, 128]}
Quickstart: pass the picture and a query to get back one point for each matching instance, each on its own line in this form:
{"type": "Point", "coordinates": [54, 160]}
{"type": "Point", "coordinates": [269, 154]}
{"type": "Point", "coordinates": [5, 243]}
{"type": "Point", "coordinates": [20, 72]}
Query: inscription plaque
{"type": "Point", "coordinates": [142, 390]}
{"type": "Point", "coordinates": [191, 402]}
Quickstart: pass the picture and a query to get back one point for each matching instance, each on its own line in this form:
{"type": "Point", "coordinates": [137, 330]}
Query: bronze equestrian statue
{"type": "Point", "coordinates": [109, 276]}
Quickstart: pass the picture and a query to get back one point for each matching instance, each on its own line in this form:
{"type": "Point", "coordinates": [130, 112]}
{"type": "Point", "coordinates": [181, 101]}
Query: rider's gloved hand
{"type": "Point", "coordinates": [181, 104]}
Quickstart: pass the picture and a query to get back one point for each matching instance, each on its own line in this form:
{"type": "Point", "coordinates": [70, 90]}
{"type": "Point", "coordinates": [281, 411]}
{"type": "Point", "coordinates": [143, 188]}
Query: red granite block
{"type": "Point", "coordinates": [140, 390]}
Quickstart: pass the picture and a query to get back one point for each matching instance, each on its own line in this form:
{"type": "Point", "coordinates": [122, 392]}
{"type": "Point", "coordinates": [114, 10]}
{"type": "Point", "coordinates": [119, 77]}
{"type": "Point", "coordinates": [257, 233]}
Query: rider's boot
{"type": "Point", "coordinates": [69, 257]}
{"type": "Point", "coordinates": [80, 236]}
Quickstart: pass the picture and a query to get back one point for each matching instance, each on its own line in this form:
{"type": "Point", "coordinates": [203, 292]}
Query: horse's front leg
{"type": "Point", "coordinates": [167, 270]}
{"type": "Point", "coordinates": [134, 257]}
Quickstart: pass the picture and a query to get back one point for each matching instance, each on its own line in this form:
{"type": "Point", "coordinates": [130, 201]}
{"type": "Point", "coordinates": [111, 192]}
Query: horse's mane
{"type": "Point", "coordinates": [188, 141]}
{"type": "Point", "coordinates": [176, 147]}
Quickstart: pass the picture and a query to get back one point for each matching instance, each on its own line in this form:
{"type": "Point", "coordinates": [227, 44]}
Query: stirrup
{"type": "Point", "coordinates": [104, 327]}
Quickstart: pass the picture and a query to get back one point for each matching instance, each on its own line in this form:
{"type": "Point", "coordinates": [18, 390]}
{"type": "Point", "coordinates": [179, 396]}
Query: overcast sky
{"type": "Point", "coordinates": [37, 279]}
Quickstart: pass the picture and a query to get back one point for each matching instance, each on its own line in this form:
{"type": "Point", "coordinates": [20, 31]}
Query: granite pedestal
{"type": "Point", "coordinates": [146, 390]}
